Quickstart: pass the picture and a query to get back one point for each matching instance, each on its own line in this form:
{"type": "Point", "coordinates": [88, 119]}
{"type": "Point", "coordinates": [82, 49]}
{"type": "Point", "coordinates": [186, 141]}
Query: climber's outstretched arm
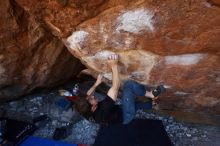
{"type": "Point", "coordinates": [113, 64]}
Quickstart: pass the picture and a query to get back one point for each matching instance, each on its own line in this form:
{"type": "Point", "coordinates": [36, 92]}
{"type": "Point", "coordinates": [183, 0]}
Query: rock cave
{"type": "Point", "coordinates": [48, 46]}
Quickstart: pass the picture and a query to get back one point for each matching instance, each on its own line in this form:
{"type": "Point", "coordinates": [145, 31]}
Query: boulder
{"type": "Point", "coordinates": [30, 56]}
{"type": "Point", "coordinates": [175, 43]}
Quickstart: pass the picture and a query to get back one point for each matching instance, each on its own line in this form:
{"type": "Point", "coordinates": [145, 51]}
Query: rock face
{"type": "Point", "coordinates": [175, 43]}
{"type": "Point", "coordinates": [30, 56]}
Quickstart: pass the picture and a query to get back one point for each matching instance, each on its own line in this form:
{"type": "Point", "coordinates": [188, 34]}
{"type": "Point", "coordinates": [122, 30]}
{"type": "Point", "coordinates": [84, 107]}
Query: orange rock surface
{"type": "Point", "coordinates": [30, 56]}
{"type": "Point", "coordinates": [159, 42]}
{"type": "Point", "coordinates": [175, 43]}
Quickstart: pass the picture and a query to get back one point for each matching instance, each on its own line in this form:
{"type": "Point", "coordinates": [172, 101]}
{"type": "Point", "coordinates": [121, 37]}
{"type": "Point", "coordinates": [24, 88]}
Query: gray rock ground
{"type": "Point", "coordinates": [84, 131]}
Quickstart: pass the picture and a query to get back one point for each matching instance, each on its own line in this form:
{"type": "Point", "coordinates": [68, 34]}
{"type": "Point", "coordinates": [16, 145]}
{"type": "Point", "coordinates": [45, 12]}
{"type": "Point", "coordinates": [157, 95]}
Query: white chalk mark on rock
{"type": "Point", "coordinates": [187, 59]}
{"type": "Point", "coordinates": [135, 21]}
{"type": "Point", "coordinates": [108, 76]}
{"type": "Point", "coordinates": [103, 54]}
{"type": "Point", "coordinates": [180, 93]}
{"type": "Point", "coordinates": [167, 86]}
{"type": "Point", "coordinates": [77, 38]}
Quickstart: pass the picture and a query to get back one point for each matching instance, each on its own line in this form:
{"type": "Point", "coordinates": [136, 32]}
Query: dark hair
{"type": "Point", "coordinates": [83, 107]}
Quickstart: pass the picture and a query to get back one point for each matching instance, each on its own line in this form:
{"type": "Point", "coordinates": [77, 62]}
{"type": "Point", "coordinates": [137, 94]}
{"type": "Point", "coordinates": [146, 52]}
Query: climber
{"type": "Point", "coordinates": [106, 111]}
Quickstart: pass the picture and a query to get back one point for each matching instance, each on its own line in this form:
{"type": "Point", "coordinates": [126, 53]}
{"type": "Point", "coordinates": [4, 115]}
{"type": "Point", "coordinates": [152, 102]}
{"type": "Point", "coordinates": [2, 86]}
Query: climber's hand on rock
{"type": "Point", "coordinates": [99, 79]}
{"type": "Point", "coordinates": [113, 60]}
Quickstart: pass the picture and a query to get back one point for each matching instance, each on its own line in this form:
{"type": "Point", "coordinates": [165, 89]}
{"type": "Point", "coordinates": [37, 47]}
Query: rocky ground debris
{"type": "Point", "coordinates": [85, 131]}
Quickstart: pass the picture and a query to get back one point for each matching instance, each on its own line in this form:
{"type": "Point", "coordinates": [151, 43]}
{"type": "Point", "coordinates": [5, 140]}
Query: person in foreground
{"type": "Point", "coordinates": [106, 111]}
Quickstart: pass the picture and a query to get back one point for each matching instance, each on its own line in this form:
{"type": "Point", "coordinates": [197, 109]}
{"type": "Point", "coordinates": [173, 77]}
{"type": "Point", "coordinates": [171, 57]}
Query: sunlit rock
{"type": "Point", "coordinates": [175, 43]}
{"type": "Point", "coordinates": [158, 43]}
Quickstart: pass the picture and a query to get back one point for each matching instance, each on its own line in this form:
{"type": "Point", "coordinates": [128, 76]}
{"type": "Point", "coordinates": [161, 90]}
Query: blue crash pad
{"type": "Point", "coordinates": [36, 141]}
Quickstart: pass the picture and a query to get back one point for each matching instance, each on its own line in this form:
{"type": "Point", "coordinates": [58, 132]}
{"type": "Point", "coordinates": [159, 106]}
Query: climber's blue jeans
{"type": "Point", "coordinates": [131, 89]}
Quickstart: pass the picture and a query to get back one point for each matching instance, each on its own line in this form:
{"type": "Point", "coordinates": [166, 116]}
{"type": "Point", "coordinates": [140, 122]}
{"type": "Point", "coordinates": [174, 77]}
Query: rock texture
{"type": "Point", "coordinates": [175, 43]}
{"type": "Point", "coordinates": [30, 56]}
